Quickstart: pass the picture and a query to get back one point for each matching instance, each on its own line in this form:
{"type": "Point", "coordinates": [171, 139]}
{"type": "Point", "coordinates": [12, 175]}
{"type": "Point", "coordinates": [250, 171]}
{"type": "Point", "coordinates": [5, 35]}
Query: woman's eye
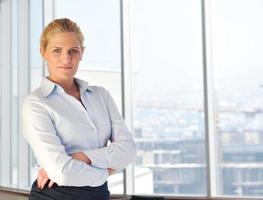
{"type": "Point", "coordinates": [73, 51]}
{"type": "Point", "coordinates": [57, 50]}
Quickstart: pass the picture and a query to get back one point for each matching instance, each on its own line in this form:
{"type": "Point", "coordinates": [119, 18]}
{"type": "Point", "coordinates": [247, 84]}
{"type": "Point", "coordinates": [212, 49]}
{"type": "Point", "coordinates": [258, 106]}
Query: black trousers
{"type": "Point", "coordinates": [69, 193]}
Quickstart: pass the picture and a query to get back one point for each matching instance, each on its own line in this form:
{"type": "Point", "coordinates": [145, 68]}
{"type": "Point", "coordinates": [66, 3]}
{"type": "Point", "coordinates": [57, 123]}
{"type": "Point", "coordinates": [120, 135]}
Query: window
{"type": "Point", "coordinates": [157, 46]}
{"type": "Point", "coordinates": [7, 95]}
{"type": "Point", "coordinates": [36, 70]}
{"type": "Point", "coordinates": [15, 85]}
{"type": "Point", "coordinates": [168, 117]}
{"type": "Point", "coordinates": [237, 62]}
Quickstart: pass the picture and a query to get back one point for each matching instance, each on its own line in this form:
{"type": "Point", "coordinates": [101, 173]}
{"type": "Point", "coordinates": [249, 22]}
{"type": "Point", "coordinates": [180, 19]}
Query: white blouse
{"type": "Point", "coordinates": [56, 125]}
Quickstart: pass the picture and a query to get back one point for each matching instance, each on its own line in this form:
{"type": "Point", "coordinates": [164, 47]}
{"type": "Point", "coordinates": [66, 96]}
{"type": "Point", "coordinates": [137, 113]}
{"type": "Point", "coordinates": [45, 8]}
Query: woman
{"type": "Point", "coordinates": [68, 124]}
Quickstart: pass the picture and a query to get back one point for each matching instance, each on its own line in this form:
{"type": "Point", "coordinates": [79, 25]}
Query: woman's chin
{"type": "Point", "coordinates": [66, 76]}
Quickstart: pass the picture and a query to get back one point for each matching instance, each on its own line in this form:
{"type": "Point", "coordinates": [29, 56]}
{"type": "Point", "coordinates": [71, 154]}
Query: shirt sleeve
{"type": "Point", "coordinates": [122, 150]}
{"type": "Point", "coordinates": [40, 132]}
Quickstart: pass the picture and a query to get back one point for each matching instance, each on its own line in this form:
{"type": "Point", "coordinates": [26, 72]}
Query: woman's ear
{"type": "Point", "coordinates": [42, 52]}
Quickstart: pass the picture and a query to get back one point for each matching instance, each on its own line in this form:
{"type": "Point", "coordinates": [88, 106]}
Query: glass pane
{"type": "Point", "coordinates": [36, 26]}
{"type": "Point", "coordinates": [8, 93]}
{"type": "Point", "coordinates": [237, 64]}
{"type": "Point", "coordinates": [14, 104]}
{"type": "Point", "coordinates": [36, 64]}
{"type": "Point", "coordinates": [101, 64]}
{"type": "Point", "coordinates": [168, 117]}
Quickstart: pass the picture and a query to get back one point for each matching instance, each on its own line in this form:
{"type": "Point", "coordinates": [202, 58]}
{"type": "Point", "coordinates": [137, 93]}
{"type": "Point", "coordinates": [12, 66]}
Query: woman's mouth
{"type": "Point", "coordinates": [65, 67]}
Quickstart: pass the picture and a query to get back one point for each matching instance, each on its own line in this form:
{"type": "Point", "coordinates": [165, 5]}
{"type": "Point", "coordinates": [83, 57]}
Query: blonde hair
{"type": "Point", "coordinates": [63, 25]}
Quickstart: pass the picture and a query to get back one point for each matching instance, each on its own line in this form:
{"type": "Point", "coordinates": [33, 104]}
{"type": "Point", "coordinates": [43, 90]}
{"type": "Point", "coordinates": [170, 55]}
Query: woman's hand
{"type": "Point", "coordinates": [81, 157]}
{"type": "Point", "coordinates": [42, 179]}
{"type": "Point", "coordinates": [110, 171]}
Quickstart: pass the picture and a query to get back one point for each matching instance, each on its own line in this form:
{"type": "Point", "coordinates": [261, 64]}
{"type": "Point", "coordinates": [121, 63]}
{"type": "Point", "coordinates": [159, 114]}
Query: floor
{"type": "Point", "coordinates": [12, 196]}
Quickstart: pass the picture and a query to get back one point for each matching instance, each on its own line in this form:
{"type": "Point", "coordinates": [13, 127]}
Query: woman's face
{"type": "Point", "coordinates": [62, 55]}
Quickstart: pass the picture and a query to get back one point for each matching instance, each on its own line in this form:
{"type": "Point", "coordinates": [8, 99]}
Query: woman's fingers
{"type": "Point", "coordinates": [42, 178]}
{"type": "Point", "coordinates": [41, 175]}
{"type": "Point", "coordinates": [50, 184]}
{"type": "Point", "coordinates": [43, 182]}
{"type": "Point", "coordinates": [81, 157]}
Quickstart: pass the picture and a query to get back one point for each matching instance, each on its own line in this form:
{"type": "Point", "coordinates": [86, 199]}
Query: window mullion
{"type": "Point", "coordinates": [209, 103]}
{"type": "Point", "coordinates": [126, 77]}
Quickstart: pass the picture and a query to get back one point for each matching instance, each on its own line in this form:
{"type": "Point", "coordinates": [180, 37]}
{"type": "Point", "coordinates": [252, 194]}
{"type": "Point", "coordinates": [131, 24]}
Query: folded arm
{"type": "Point", "coordinates": [42, 177]}
{"type": "Point", "coordinates": [50, 153]}
{"type": "Point", "coordinates": [122, 150]}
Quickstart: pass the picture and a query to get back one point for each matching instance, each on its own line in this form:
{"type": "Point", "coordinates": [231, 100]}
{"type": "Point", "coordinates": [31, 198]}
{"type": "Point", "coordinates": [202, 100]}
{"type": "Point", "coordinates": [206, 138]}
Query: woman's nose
{"type": "Point", "coordinates": [65, 58]}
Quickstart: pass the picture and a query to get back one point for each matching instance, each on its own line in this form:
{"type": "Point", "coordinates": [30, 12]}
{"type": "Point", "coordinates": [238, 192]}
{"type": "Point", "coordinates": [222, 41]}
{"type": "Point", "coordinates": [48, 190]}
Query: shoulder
{"type": "Point", "coordinates": [34, 99]}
